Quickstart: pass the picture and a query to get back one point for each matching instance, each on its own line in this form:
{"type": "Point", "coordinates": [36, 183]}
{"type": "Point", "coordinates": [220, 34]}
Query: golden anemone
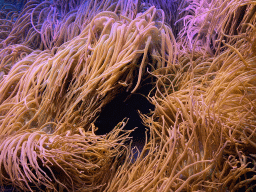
{"type": "Point", "coordinates": [63, 62]}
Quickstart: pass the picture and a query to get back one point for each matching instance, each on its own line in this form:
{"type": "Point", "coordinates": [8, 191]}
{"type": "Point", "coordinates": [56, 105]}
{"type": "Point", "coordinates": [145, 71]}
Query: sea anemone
{"type": "Point", "coordinates": [63, 62]}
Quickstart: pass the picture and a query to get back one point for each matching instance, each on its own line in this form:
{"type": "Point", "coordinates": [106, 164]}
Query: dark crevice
{"type": "Point", "coordinates": [127, 105]}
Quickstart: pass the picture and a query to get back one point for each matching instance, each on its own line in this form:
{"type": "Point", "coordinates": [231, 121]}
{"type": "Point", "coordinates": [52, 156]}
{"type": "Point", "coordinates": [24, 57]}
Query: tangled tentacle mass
{"type": "Point", "coordinates": [62, 62]}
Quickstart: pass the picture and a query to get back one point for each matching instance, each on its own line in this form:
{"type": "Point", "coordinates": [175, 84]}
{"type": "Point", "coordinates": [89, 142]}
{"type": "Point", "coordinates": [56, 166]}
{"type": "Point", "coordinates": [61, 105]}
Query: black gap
{"type": "Point", "coordinates": [126, 105]}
